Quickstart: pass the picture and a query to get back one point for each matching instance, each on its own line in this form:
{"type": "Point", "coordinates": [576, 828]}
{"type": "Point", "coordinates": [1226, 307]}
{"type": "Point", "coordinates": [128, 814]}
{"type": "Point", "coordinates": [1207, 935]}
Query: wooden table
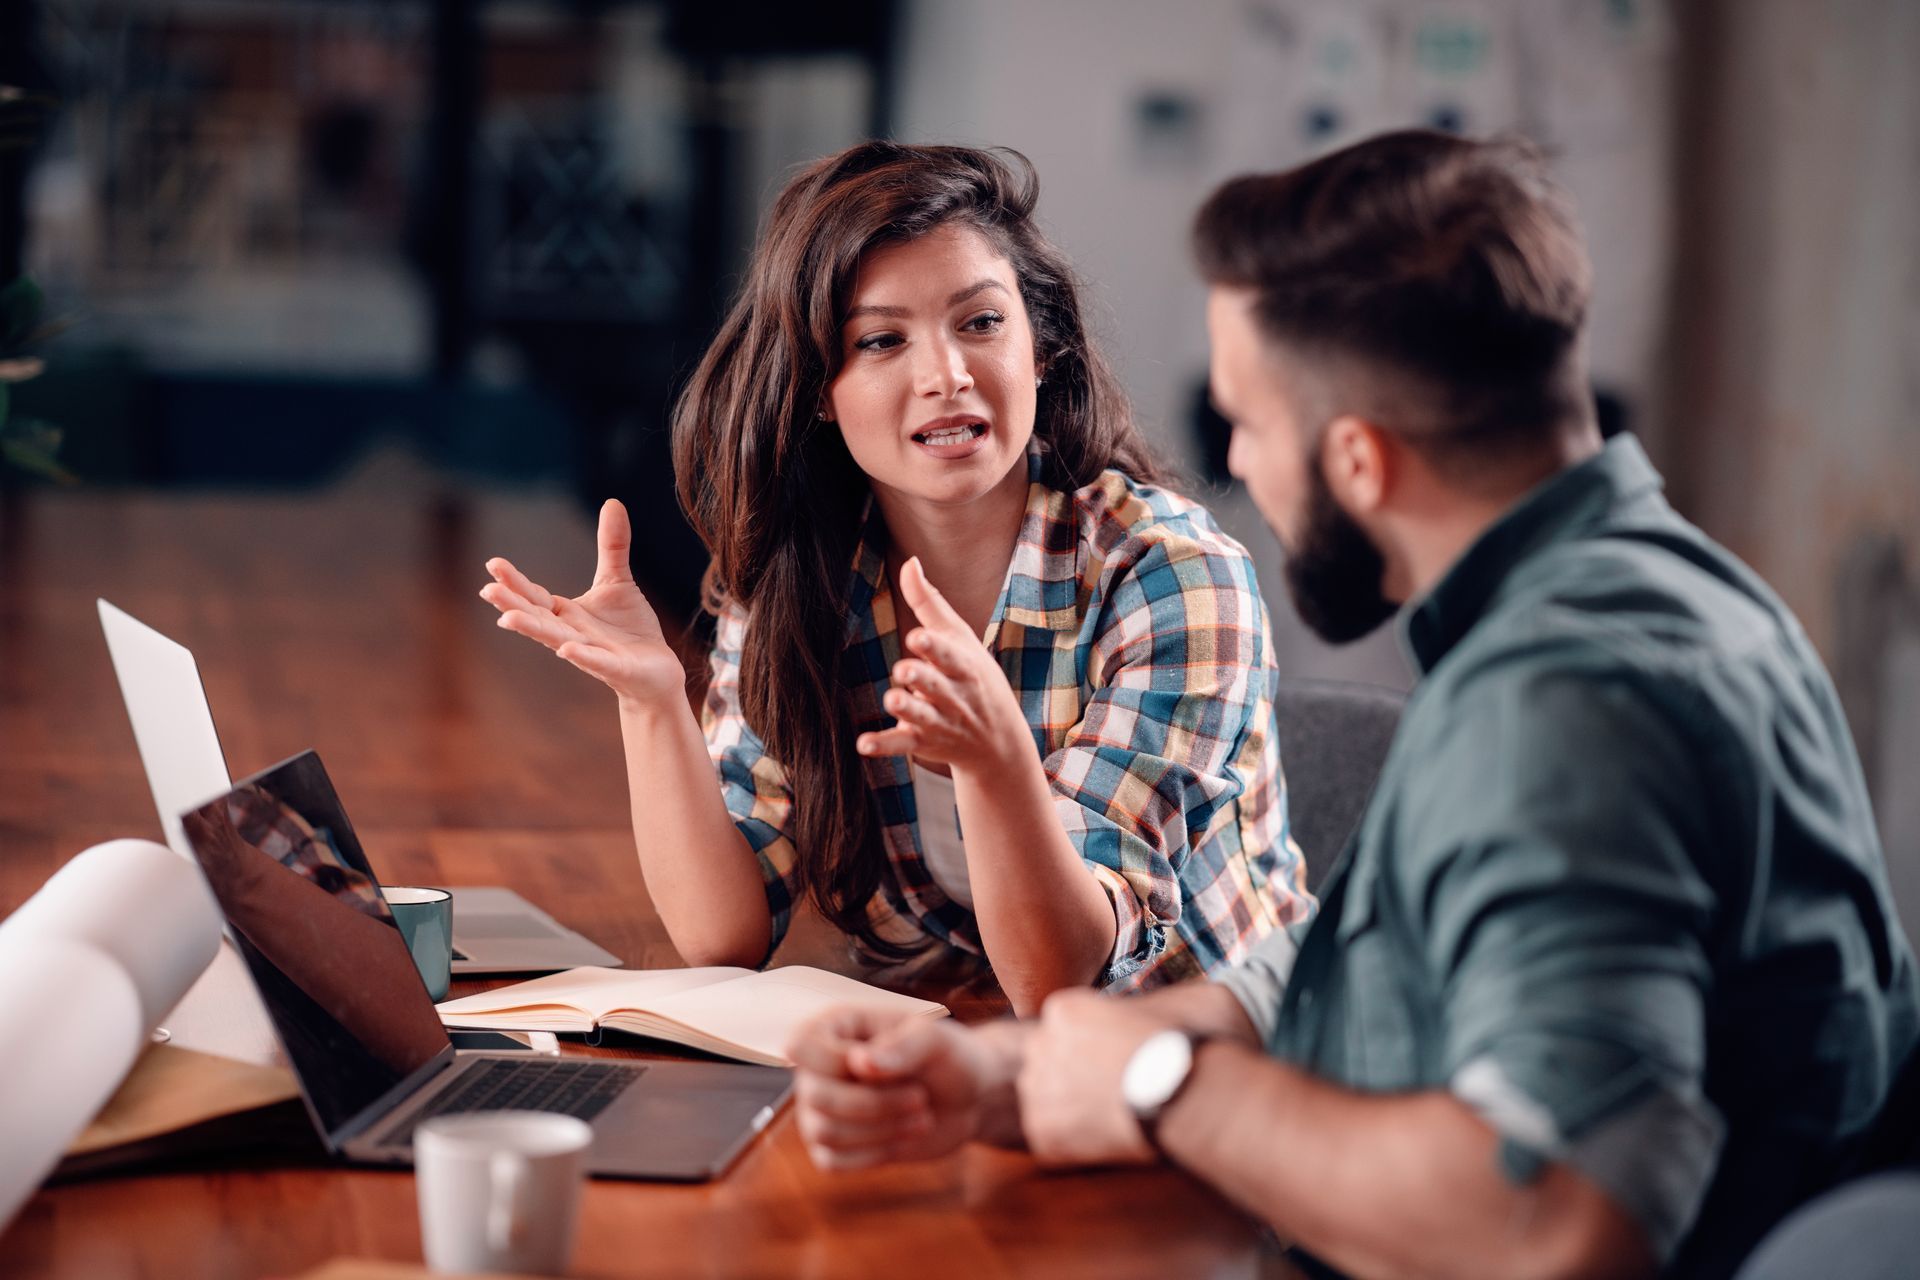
{"type": "Point", "coordinates": [348, 622]}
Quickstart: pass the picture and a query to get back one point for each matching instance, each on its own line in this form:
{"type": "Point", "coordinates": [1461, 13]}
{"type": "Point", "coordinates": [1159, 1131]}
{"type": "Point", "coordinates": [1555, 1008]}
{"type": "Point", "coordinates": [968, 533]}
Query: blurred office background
{"type": "Point", "coordinates": [440, 245]}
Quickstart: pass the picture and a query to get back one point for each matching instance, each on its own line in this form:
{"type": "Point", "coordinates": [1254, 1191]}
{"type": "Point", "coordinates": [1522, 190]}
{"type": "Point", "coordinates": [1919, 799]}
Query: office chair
{"type": "Point", "coordinates": [1333, 739]}
{"type": "Point", "coordinates": [1867, 1227]}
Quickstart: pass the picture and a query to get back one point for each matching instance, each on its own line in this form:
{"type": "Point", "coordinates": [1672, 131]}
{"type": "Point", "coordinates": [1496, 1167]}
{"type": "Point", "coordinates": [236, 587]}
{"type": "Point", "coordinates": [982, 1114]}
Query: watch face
{"type": "Point", "coordinates": [1156, 1071]}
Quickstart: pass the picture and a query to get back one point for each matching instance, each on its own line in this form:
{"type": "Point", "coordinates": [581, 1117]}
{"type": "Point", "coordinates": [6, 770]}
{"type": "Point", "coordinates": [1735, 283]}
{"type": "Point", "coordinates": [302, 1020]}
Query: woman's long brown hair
{"type": "Point", "coordinates": [774, 494]}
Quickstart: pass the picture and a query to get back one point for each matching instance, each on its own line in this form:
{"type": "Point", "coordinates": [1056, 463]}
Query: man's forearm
{"type": "Point", "coordinates": [1198, 1007]}
{"type": "Point", "coordinates": [1201, 1008]}
{"type": "Point", "coordinates": [1002, 1047]}
{"type": "Point", "coordinates": [1386, 1185]}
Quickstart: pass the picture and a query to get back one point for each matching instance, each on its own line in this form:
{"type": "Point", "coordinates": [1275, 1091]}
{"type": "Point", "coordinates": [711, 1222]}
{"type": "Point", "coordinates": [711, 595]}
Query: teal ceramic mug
{"type": "Point", "coordinates": [425, 917]}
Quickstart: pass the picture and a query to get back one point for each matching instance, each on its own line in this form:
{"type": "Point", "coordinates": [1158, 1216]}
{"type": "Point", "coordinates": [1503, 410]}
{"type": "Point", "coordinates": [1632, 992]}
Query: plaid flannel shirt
{"type": "Point", "coordinates": [1134, 636]}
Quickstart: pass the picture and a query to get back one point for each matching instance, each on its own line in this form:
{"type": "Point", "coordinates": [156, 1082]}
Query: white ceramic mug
{"type": "Point", "coordinates": [500, 1190]}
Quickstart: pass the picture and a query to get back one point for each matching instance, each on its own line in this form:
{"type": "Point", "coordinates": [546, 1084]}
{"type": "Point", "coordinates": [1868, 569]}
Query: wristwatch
{"type": "Point", "coordinates": [1155, 1075]}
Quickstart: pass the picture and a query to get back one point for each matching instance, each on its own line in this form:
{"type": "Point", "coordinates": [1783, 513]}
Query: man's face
{"type": "Point", "coordinates": [1333, 570]}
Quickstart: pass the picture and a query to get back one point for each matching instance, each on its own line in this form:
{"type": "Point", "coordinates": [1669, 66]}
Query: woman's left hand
{"type": "Point", "coordinates": [952, 700]}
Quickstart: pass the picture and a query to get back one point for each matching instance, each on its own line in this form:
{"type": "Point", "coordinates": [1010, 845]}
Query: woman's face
{"type": "Point", "coordinates": [935, 396]}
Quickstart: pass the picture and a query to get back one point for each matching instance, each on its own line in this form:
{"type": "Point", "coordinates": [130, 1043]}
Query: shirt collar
{"type": "Point", "coordinates": [1559, 509]}
{"type": "Point", "coordinates": [1042, 589]}
{"type": "Point", "coordinates": [1049, 559]}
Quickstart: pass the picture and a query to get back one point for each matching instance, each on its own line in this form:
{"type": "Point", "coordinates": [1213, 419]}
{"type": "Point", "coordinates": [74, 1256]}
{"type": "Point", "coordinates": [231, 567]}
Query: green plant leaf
{"type": "Point", "coordinates": [29, 459]}
{"type": "Point", "coordinates": [32, 445]}
{"type": "Point", "coordinates": [37, 433]}
{"type": "Point", "coordinates": [34, 433]}
{"type": "Point", "coordinates": [20, 305]}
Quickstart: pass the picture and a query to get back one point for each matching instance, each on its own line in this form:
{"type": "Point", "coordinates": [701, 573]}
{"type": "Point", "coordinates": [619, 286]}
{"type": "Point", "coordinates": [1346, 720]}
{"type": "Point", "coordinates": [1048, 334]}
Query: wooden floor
{"type": "Point", "coordinates": [348, 622]}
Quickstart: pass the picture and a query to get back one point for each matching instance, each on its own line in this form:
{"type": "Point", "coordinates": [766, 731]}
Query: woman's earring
{"type": "Point", "coordinates": [822, 415]}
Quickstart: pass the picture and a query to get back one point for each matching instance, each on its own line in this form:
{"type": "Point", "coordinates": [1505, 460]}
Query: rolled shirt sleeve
{"type": "Point", "coordinates": [753, 784]}
{"type": "Point", "coordinates": [1259, 981]}
{"type": "Point", "coordinates": [1568, 926]}
{"type": "Point", "coordinates": [1178, 719]}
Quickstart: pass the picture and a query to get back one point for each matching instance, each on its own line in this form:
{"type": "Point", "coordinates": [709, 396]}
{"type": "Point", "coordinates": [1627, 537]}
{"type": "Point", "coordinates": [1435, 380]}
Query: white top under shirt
{"type": "Point", "coordinates": [940, 839]}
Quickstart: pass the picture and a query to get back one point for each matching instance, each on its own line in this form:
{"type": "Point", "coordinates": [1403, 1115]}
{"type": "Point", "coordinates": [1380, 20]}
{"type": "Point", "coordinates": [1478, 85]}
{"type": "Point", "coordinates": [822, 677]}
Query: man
{"type": "Point", "coordinates": [1610, 976]}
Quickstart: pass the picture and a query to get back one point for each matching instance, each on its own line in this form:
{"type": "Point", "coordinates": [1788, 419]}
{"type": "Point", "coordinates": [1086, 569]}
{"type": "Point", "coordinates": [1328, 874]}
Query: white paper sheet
{"type": "Point", "coordinates": [222, 1015]}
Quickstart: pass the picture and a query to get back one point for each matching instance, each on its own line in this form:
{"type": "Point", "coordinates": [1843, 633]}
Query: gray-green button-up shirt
{"type": "Point", "coordinates": [1619, 887]}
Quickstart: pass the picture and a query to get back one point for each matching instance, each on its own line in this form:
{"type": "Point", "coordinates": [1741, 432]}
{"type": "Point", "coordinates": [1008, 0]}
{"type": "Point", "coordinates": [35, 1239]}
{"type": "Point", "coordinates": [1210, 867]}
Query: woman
{"type": "Point", "coordinates": [1068, 765]}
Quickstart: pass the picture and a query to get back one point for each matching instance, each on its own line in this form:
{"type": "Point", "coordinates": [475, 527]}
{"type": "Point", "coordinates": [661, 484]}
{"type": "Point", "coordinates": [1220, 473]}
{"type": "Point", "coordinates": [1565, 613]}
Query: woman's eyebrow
{"type": "Point", "coordinates": [891, 313]}
{"type": "Point", "coordinates": [901, 313]}
{"type": "Point", "coordinates": [974, 290]}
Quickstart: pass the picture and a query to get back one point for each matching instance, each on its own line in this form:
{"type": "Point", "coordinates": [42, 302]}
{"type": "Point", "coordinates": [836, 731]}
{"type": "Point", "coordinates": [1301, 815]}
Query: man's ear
{"type": "Point", "coordinates": [1360, 463]}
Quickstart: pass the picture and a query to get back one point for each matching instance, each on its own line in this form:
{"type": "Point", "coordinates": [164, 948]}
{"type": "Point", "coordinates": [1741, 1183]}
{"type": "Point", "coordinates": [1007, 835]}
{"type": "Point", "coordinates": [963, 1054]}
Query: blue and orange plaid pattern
{"type": "Point", "coordinates": [1134, 636]}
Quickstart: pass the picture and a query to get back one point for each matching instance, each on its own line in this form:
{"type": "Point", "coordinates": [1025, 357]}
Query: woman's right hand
{"type": "Point", "coordinates": [610, 632]}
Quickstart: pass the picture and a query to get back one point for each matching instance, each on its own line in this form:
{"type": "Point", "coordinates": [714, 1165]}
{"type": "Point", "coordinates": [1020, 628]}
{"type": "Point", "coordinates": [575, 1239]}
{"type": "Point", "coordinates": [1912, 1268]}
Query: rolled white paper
{"type": "Point", "coordinates": [69, 1033]}
{"type": "Point", "coordinates": [88, 966]}
{"type": "Point", "coordinates": [138, 902]}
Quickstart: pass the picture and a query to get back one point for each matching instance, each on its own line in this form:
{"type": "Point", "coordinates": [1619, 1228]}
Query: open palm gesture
{"type": "Point", "coordinates": [610, 632]}
{"type": "Point", "coordinates": [950, 700]}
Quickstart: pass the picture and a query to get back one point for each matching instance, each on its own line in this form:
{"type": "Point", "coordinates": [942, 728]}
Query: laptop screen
{"type": "Point", "coordinates": [308, 917]}
{"type": "Point", "coordinates": [172, 723]}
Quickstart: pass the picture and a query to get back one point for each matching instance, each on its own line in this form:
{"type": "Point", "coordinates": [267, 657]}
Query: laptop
{"type": "Point", "coordinates": [363, 1038]}
{"type": "Point", "coordinates": [495, 930]}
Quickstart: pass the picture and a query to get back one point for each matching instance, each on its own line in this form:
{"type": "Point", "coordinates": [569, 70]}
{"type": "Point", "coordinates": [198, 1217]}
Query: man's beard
{"type": "Point", "coordinates": [1333, 570]}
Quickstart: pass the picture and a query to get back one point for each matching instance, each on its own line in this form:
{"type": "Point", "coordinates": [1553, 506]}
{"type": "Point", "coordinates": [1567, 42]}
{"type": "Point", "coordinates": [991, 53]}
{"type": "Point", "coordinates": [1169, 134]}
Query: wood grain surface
{"type": "Point", "coordinates": [347, 621]}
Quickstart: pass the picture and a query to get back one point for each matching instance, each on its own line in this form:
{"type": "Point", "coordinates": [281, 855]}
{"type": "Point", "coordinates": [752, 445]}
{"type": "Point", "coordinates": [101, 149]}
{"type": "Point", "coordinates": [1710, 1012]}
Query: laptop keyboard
{"type": "Point", "coordinates": [567, 1086]}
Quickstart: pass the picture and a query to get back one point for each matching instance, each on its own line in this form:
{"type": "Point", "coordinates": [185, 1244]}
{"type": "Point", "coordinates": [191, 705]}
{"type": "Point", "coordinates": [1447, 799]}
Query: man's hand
{"type": "Point", "coordinates": [873, 1088]}
{"type": "Point", "coordinates": [1071, 1106]}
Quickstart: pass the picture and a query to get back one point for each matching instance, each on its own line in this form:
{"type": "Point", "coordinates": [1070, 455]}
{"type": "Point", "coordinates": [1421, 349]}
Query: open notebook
{"type": "Point", "coordinates": [736, 1013]}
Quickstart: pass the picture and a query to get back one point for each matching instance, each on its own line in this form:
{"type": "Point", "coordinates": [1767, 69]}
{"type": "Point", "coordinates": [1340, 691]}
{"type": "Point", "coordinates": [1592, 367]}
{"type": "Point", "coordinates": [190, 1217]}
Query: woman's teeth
{"type": "Point", "coordinates": [952, 435]}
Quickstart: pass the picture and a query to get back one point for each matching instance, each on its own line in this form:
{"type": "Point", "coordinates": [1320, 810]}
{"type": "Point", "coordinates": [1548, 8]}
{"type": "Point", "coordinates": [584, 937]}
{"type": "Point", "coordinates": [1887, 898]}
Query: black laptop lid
{"type": "Point", "coordinates": [307, 915]}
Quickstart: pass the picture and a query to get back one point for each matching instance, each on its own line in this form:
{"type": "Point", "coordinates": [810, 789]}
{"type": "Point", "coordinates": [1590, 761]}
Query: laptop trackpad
{"type": "Point", "coordinates": [686, 1121]}
{"type": "Point", "coordinates": [525, 925]}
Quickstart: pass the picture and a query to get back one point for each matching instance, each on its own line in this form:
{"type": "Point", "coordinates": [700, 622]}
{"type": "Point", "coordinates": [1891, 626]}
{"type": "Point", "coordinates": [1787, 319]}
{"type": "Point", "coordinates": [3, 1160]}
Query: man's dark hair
{"type": "Point", "coordinates": [1436, 284]}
